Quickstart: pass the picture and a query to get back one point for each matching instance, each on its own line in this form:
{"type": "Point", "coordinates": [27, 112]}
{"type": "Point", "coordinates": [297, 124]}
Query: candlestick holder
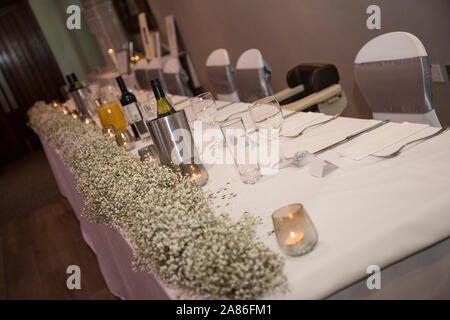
{"type": "Point", "coordinates": [296, 234]}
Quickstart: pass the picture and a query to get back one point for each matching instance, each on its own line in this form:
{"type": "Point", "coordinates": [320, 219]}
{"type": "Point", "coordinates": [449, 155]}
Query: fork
{"type": "Point", "coordinates": [311, 126]}
{"type": "Point", "coordinates": [399, 150]}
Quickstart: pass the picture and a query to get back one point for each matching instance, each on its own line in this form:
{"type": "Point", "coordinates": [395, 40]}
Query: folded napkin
{"type": "Point", "coordinates": [298, 121]}
{"type": "Point", "coordinates": [224, 112]}
{"type": "Point", "coordinates": [379, 139]}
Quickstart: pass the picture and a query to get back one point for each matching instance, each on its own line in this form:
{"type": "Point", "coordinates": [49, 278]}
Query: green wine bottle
{"type": "Point", "coordinates": [164, 107]}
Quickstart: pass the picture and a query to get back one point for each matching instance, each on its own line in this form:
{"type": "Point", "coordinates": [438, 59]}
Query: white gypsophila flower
{"type": "Point", "coordinates": [166, 218]}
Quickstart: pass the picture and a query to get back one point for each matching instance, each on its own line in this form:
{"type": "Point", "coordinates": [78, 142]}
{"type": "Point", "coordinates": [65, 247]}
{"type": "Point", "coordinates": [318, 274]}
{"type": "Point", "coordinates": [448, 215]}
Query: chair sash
{"type": "Point", "coordinates": [221, 79]}
{"type": "Point", "coordinates": [396, 86]}
{"type": "Point", "coordinates": [177, 82]}
{"type": "Point", "coordinates": [253, 83]}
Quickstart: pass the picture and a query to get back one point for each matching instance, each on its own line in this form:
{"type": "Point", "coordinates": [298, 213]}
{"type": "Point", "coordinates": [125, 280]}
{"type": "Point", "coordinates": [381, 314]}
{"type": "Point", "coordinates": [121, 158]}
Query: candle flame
{"type": "Point", "coordinates": [292, 234]}
{"type": "Point", "coordinates": [111, 51]}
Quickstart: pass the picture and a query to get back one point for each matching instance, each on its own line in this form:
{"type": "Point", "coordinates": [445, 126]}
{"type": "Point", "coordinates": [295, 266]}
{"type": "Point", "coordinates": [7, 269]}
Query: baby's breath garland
{"type": "Point", "coordinates": [165, 217]}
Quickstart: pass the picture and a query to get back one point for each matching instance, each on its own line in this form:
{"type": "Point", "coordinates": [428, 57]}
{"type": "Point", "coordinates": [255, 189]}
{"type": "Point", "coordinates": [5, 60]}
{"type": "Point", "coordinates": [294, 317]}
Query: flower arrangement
{"type": "Point", "coordinates": [166, 218]}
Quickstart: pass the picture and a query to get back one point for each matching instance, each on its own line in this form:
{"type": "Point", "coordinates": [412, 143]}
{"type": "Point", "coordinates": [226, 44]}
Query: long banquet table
{"type": "Point", "coordinates": [391, 213]}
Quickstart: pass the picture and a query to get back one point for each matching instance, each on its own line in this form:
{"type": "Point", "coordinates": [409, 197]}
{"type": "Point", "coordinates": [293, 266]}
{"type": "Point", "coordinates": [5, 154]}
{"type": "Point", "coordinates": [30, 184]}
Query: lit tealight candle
{"type": "Point", "coordinates": [296, 234]}
{"type": "Point", "coordinates": [294, 238]}
{"type": "Point", "coordinates": [195, 173]}
{"type": "Point", "coordinates": [150, 158]}
{"type": "Point", "coordinates": [64, 110]}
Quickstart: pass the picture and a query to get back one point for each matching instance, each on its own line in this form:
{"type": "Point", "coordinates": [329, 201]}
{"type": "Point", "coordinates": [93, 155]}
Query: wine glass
{"type": "Point", "coordinates": [266, 114]}
{"type": "Point", "coordinates": [204, 105]}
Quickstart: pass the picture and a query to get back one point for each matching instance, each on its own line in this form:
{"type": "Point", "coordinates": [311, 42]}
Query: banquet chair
{"type": "Point", "coordinates": [145, 71]}
{"type": "Point", "coordinates": [141, 70]}
{"type": "Point", "coordinates": [220, 75]}
{"type": "Point", "coordinates": [313, 87]}
{"type": "Point", "coordinates": [176, 78]}
{"type": "Point", "coordinates": [394, 76]}
{"type": "Point", "coordinates": [252, 76]}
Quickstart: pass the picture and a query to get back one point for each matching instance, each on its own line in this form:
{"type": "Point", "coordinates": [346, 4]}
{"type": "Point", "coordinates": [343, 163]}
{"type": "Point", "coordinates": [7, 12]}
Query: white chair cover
{"type": "Point", "coordinates": [252, 76]}
{"type": "Point", "coordinates": [220, 75]}
{"type": "Point", "coordinates": [176, 78]}
{"type": "Point", "coordinates": [393, 74]}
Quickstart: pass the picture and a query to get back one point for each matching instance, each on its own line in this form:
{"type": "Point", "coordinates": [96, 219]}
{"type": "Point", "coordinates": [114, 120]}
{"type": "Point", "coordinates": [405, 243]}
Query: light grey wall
{"type": "Point", "coordinates": [74, 50]}
{"type": "Point", "coordinates": [289, 32]}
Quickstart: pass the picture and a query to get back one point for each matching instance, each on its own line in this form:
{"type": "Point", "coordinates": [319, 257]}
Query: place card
{"type": "Point", "coordinates": [319, 168]}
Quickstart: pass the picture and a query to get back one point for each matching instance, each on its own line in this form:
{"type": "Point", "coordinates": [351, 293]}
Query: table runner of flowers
{"type": "Point", "coordinates": [166, 218]}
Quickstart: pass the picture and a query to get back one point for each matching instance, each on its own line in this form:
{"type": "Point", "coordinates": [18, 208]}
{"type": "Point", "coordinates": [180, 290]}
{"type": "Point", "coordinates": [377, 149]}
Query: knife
{"type": "Point", "coordinates": [352, 136]}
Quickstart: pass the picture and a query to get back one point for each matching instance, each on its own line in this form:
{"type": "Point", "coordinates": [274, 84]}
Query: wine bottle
{"type": "Point", "coordinates": [70, 82]}
{"type": "Point", "coordinates": [164, 106]}
{"type": "Point", "coordinates": [131, 110]}
{"type": "Point", "coordinates": [77, 84]}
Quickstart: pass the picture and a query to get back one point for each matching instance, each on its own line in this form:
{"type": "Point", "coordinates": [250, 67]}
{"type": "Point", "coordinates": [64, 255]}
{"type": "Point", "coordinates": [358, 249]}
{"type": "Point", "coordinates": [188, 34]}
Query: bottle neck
{"type": "Point", "coordinates": [122, 86]}
{"type": "Point", "coordinates": [69, 81]}
{"type": "Point", "coordinates": [159, 92]}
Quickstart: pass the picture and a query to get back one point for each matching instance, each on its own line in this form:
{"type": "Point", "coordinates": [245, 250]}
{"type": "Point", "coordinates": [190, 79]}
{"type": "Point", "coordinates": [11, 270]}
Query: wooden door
{"type": "Point", "coordinates": [28, 73]}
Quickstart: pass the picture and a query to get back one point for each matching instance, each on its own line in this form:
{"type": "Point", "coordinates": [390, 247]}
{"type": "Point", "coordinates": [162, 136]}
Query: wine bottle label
{"type": "Point", "coordinates": [132, 113]}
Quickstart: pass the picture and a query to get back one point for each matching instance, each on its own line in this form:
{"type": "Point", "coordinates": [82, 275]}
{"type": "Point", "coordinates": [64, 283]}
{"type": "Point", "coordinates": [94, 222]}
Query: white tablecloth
{"type": "Point", "coordinates": [368, 212]}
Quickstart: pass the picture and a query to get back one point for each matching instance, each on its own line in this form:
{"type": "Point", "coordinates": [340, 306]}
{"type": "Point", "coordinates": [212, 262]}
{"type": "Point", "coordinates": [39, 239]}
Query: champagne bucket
{"type": "Point", "coordinates": [82, 101]}
{"type": "Point", "coordinates": [172, 136]}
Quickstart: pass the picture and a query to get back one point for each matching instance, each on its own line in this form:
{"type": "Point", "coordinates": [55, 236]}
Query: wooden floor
{"type": "Point", "coordinates": [39, 240]}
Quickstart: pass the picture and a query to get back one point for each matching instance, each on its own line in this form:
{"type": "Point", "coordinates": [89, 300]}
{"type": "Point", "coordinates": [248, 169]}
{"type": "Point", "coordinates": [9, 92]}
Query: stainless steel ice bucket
{"type": "Point", "coordinates": [172, 136]}
{"type": "Point", "coordinates": [84, 105]}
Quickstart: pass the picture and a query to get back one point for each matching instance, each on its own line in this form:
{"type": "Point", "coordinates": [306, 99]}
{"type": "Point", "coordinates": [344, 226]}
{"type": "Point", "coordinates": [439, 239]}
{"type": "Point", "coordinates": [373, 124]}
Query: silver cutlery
{"type": "Point", "coordinates": [399, 150]}
{"type": "Point", "coordinates": [351, 137]}
{"type": "Point", "coordinates": [301, 158]}
{"type": "Point", "coordinates": [311, 126]}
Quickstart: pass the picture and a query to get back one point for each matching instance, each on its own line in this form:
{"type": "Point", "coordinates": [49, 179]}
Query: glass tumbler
{"type": "Point", "coordinates": [245, 155]}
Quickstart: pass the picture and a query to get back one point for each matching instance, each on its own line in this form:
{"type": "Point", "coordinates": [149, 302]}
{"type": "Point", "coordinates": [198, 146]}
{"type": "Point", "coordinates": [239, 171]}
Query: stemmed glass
{"type": "Point", "coordinates": [204, 106]}
{"type": "Point", "coordinates": [266, 115]}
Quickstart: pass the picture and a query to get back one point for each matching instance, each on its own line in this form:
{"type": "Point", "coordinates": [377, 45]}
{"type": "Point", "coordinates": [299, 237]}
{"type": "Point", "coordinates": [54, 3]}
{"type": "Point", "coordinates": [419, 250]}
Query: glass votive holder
{"type": "Point", "coordinates": [75, 114]}
{"type": "Point", "coordinates": [149, 154]}
{"type": "Point", "coordinates": [296, 234]}
{"type": "Point", "coordinates": [196, 172]}
{"type": "Point", "coordinates": [110, 132]}
{"type": "Point", "coordinates": [125, 140]}
{"type": "Point", "coordinates": [64, 109]}
{"type": "Point", "coordinates": [86, 120]}
{"type": "Point", "coordinates": [55, 104]}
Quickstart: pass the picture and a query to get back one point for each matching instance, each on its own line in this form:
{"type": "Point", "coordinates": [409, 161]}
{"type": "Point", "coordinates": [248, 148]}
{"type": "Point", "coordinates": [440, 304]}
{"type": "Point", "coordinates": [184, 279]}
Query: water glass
{"type": "Point", "coordinates": [245, 155]}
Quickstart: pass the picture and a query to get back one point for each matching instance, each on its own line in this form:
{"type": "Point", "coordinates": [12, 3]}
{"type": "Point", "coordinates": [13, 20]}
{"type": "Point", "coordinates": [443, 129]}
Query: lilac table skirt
{"type": "Point", "coordinates": [113, 252]}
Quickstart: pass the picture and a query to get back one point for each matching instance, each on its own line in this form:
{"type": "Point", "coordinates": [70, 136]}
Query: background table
{"type": "Point", "coordinates": [368, 212]}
